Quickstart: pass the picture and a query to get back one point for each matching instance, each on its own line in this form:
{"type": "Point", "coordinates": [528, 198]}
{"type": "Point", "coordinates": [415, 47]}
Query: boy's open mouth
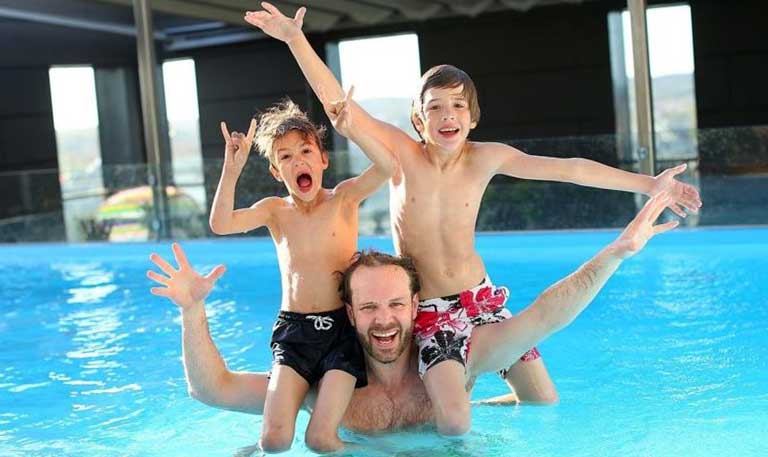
{"type": "Point", "coordinates": [384, 338]}
{"type": "Point", "coordinates": [304, 181]}
{"type": "Point", "coordinates": [449, 132]}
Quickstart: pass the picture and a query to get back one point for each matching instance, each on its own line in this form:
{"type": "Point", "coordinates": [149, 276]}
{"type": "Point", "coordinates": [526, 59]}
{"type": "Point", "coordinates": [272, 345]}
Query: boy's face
{"type": "Point", "coordinates": [445, 118]}
{"type": "Point", "coordinates": [299, 163]}
{"type": "Point", "coordinates": [382, 310]}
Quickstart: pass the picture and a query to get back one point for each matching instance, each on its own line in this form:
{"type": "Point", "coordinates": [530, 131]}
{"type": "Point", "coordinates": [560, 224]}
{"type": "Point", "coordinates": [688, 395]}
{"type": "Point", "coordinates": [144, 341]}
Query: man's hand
{"type": "Point", "coordinates": [275, 24]}
{"type": "Point", "coordinates": [641, 229]}
{"type": "Point", "coordinates": [237, 147]}
{"type": "Point", "coordinates": [184, 286]}
{"type": "Point", "coordinates": [681, 193]}
{"type": "Point", "coordinates": [339, 112]}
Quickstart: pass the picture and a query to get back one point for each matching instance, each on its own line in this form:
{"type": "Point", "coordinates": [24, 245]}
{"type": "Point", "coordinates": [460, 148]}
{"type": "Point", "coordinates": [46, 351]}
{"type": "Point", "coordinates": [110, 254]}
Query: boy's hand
{"type": "Point", "coordinates": [184, 286]}
{"type": "Point", "coordinates": [681, 193]}
{"type": "Point", "coordinates": [641, 229]}
{"type": "Point", "coordinates": [237, 147]}
{"type": "Point", "coordinates": [275, 24]}
{"type": "Point", "coordinates": [339, 112]}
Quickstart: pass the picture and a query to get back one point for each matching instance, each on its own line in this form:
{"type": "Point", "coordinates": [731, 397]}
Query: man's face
{"type": "Point", "coordinates": [382, 311]}
{"type": "Point", "coordinates": [445, 117]}
{"type": "Point", "coordinates": [299, 164]}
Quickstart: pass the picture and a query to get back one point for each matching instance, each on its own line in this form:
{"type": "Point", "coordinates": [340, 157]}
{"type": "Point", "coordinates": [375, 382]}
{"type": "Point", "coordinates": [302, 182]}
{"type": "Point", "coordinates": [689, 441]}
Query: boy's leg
{"type": "Point", "coordinates": [446, 385]}
{"type": "Point", "coordinates": [285, 394]}
{"type": "Point", "coordinates": [334, 393]}
{"type": "Point", "coordinates": [531, 382]}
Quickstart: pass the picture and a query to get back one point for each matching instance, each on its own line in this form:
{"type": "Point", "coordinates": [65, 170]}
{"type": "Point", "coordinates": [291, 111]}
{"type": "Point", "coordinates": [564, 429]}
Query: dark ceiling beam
{"type": "Point", "coordinates": [417, 10]}
{"type": "Point", "coordinates": [315, 20]}
{"type": "Point", "coordinates": [188, 9]}
{"type": "Point", "coordinates": [71, 22]}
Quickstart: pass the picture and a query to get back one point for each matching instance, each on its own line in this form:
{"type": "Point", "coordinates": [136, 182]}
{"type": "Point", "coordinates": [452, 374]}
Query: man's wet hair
{"type": "Point", "coordinates": [373, 258]}
{"type": "Point", "coordinates": [447, 76]}
{"type": "Point", "coordinates": [281, 119]}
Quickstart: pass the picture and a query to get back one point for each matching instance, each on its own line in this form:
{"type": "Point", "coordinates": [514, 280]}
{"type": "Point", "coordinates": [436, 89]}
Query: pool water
{"type": "Point", "coordinates": [671, 359]}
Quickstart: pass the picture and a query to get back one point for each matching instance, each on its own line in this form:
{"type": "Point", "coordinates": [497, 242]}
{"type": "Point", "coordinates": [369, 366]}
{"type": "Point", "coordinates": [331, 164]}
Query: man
{"type": "Point", "coordinates": [381, 295]}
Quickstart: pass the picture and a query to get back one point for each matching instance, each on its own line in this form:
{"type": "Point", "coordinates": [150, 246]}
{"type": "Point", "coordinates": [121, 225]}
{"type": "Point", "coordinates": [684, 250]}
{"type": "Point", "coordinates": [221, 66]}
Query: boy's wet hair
{"type": "Point", "coordinates": [447, 76]}
{"type": "Point", "coordinates": [281, 119]}
{"type": "Point", "coordinates": [373, 258]}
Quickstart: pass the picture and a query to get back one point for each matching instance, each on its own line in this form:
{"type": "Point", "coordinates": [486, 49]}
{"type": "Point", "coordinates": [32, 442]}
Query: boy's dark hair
{"type": "Point", "coordinates": [372, 258]}
{"type": "Point", "coordinates": [442, 76]}
{"type": "Point", "coordinates": [281, 119]}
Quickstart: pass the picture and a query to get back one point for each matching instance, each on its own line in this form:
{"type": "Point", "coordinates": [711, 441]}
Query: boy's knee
{"type": "Point", "coordinates": [276, 439]}
{"type": "Point", "coordinates": [456, 421]}
{"type": "Point", "coordinates": [322, 441]}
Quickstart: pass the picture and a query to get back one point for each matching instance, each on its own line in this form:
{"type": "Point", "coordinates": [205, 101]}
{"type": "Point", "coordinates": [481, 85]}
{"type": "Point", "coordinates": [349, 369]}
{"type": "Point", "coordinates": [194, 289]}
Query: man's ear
{"type": "Point", "coordinates": [275, 172]}
{"type": "Point", "coordinates": [414, 305]}
{"type": "Point", "coordinates": [350, 314]}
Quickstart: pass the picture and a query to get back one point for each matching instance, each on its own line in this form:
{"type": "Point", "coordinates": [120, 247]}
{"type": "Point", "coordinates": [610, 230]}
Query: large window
{"type": "Point", "coordinates": [76, 120]}
{"type": "Point", "coordinates": [670, 50]}
{"type": "Point", "coordinates": [385, 72]}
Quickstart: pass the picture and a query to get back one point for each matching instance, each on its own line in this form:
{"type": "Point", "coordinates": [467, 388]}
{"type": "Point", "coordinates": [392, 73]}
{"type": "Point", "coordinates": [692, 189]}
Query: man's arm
{"type": "Point", "coordinates": [224, 218]}
{"type": "Point", "coordinates": [585, 172]}
{"type": "Point", "coordinates": [208, 378]}
{"type": "Point", "coordinates": [288, 30]}
{"type": "Point", "coordinates": [498, 346]}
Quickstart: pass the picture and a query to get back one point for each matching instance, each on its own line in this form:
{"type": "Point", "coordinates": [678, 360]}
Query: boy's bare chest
{"type": "Point", "coordinates": [326, 229]}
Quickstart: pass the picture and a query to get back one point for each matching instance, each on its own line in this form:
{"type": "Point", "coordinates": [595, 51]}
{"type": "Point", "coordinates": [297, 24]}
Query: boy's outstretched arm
{"type": "Point", "coordinates": [585, 172]}
{"type": "Point", "coordinates": [384, 162]}
{"type": "Point", "coordinates": [224, 218]}
{"type": "Point", "coordinates": [499, 345]}
{"type": "Point", "coordinates": [208, 378]}
{"type": "Point", "coordinates": [288, 30]}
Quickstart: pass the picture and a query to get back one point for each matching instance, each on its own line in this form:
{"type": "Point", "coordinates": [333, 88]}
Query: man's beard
{"type": "Point", "coordinates": [406, 338]}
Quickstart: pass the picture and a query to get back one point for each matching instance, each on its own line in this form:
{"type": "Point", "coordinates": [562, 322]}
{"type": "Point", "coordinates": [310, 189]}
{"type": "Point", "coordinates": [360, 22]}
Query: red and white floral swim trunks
{"type": "Point", "coordinates": [443, 326]}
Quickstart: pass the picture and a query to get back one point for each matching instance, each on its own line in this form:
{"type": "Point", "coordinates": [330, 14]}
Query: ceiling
{"type": "Point", "coordinates": [184, 24]}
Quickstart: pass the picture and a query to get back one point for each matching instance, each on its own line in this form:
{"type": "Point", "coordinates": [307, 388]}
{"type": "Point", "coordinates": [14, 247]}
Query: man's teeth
{"type": "Point", "coordinates": [388, 334]}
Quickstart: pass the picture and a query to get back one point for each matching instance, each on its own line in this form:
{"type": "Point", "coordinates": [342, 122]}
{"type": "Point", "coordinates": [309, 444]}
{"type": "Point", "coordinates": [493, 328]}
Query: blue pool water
{"type": "Point", "coordinates": [671, 359]}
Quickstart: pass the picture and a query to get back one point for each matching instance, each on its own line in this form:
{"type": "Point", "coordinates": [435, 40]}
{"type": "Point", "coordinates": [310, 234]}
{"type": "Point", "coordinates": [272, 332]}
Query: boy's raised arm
{"type": "Point", "coordinates": [224, 218]}
{"type": "Point", "coordinates": [384, 162]}
{"type": "Point", "coordinates": [288, 30]}
{"type": "Point", "coordinates": [585, 172]}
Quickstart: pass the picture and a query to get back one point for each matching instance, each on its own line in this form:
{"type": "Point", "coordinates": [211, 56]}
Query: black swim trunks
{"type": "Point", "coordinates": [313, 344]}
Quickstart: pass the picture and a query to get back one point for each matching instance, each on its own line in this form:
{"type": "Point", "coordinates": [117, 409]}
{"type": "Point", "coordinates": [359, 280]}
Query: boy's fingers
{"type": "Point", "coordinates": [349, 94]}
{"type": "Point", "coordinates": [225, 131]}
{"type": "Point", "coordinates": [679, 169]}
{"type": "Point", "coordinates": [162, 264]}
{"type": "Point", "coordinates": [271, 8]}
{"type": "Point", "coordinates": [299, 18]}
{"type": "Point", "coordinates": [154, 276]}
{"type": "Point", "coordinates": [252, 129]}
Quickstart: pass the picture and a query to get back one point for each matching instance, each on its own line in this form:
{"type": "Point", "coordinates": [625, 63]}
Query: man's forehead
{"type": "Point", "coordinates": [381, 282]}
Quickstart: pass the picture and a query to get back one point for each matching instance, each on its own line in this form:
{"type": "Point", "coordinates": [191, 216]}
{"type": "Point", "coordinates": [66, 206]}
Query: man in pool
{"type": "Point", "coordinates": [381, 296]}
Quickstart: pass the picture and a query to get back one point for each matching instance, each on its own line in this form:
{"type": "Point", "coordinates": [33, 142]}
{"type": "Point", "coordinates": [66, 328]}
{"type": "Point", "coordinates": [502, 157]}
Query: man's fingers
{"type": "Point", "coordinates": [158, 278]}
{"type": "Point", "coordinates": [254, 19]}
{"type": "Point", "coordinates": [181, 257]}
{"type": "Point", "coordinates": [299, 17]}
{"type": "Point", "coordinates": [656, 205]}
{"type": "Point", "coordinates": [225, 131]}
{"type": "Point", "coordinates": [271, 8]}
{"type": "Point", "coordinates": [161, 291]}
{"type": "Point", "coordinates": [676, 209]}
{"type": "Point", "coordinates": [689, 204]}
{"type": "Point", "coordinates": [162, 264]}
{"type": "Point", "coordinates": [216, 273]}
{"type": "Point", "coordinates": [665, 227]}
{"type": "Point", "coordinates": [252, 130]}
